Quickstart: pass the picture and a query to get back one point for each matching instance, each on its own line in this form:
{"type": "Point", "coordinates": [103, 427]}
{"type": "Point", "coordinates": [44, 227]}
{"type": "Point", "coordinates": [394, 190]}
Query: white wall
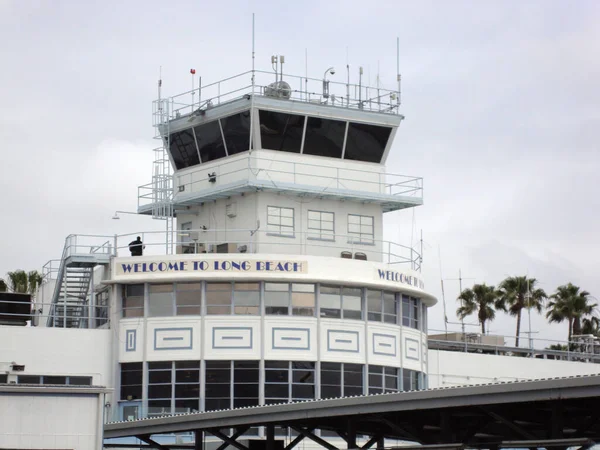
{"type": "Point", "coordinates": [50, 421]}
{"type": "Point", "coordinates": [458, 368]}
{"type": "Point", "coordinates": [57, 351]}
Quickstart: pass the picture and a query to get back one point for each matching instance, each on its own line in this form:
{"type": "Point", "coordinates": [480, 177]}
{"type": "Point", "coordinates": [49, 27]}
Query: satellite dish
{"type": "Point", "coordinates": [279, 89]}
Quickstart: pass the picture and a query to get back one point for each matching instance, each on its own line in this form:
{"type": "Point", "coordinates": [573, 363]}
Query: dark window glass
{"type": "Point", "coordinates": [187, 376]}
{"type": "Point", "coordinates": [276, 375]}
{"type": "Point", "coordinates": [159, 376]}
{"type": "Point", "coordinates": [3, 378]}
{"type": "Point", "coordinates": [187, 390]}
{"type": "Point", "coordinates": [160, 365]}
{"type": "Point", "coordinates": [280, 131]}
{"type": "Point", "coordinates": [159, 390]}
{"type": "Point", "coordinates": [187, 405]}
{"type": "Point", "coordinates": [276, 390]}
{"type": "Point", "coordinates": [133, 300]}
{"type": "Point", "coordinates": [245, 383]}
{"type": "Point", "coordinates": [210, 141]}
{"type": "Point", "coordinates": [324, 137]}
{"type": "Point", "coordinates": [236, 130]}
{"type": "Point", "coordinates": [410, 380]}
{"type": "Point", "coordinates": [330, 391]}
{"type": "Point", "coordinates": [183, 149]}
{"type": "Point", "coordinates": [410, 311]}
{"type": "Point", "coordinates": [214, 404]}
{"type": "Point", "coordinates": [218, 385]}
{"type": "Point", "coordinates": [51, 379]}
{"type": "Point", "coordinates": [353, 379]}
{"type": "Point", "coordinates": [390, 314]}
{"type": "Point", "coordinates": [131, 381]}
{"type": "Point", "coordinates": [29, 379]}
{"type": "Point", "coordinates": [276, 364]}
{"type": "Point", "coordinates": [331, 380]}
{"type": "Point", "coordinates": [374, 305]}
{"type": "Point", "coordinates": [159, 408]}
{"type": "Point", "coordinates": [366, 142]}
{"type": "Point", "coordinates": [303, 391]}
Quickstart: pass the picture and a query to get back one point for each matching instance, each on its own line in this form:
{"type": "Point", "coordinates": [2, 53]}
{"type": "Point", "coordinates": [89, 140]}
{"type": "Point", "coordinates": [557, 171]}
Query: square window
{"type": "Point", "coordinates": [321, 225]}
{"type": "Point", "coordinates": [280, 221]}
{"type": "Point", "coordinates": [360, 229]}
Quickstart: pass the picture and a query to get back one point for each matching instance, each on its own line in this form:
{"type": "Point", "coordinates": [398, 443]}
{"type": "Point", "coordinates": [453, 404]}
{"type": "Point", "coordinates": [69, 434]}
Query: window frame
{"type": "Point", "coordinates": [280, 232]}
{"type": "Point", "coordinates": [320, 231]}
{"type": "Point", "coordinates": [360, 238]}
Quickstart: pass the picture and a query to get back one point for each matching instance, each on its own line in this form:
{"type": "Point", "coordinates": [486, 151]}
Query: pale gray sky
{"type": "Point", "coordinates": [500, 97]}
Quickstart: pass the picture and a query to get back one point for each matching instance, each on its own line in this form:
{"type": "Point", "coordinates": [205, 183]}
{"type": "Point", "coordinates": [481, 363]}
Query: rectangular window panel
{"type": "Point", "coordinates": [360, 229]}
{"type": "Point", "coordinates": [246, 297]}
{"type": "Point", "coordinates": [390, 307]}
{"type": "Point", "coordinates": [352, 303]}
{"type": "Point", "coordinates": [324, 137]}
{"type": "Point", "coordinates": [236, 130]}
{"type": "Point", "coordinates": [29, 379]}
{"type": "Point", "coordinates": [210, 141]}
{"type": "Point", "coordinates": [183, 150]}
{"type": "Point", "coordinates": [280, 221]}
{"type": "Point", "coordinates": [366, 142]}
{"type": "Point", "coordinates": [375, 379]}
{"type": "Point", "coordinates": [133, 300]}
{"type": "Point", "coordinates": [353, 379]}
{"type": "Point", "coordinates": [218, 385]}
{"type": "Point", "coordinates": [219, 298]}
{"type": "Point", "coordinates": [374, 305]}
{"type": "Point", "coordinates": [277, 298]}
{"type": "Point", "coordinates": [131, 381]}
{"type": "Point", "coordinates": [80, 381]}
{"type": "Point", "coordinates": [330, 301]}
{"type": "Point", "coordinates": [157, 408]}
{"type": "Point", "coordinates": [187, 298]}
{"type": "Point", "coordinates": [160, 300]}
{"type": "Point", "coordinates": [279, 131]}
{"type": "Point", "coordinates": [245, 383]}
{"type": "Point", "coordinates": [331, 380]}
{"type": "Point", "coordinates": [410, 311]}
{"type": "Point", "coordinates": [321, 225]}
{"type": "Point", "coordinates": [303, 299]}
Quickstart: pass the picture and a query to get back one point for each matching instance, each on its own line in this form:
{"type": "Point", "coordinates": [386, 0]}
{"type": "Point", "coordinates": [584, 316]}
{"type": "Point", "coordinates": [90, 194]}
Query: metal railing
{"type": "Point", "coordinates": [258, 82]}
{"type": "Point", "coordinates": [81, 313]}
{"type": "Point", "coordinates": [275, 172]}
{"type": "Point", "coordinates": [574, 350]}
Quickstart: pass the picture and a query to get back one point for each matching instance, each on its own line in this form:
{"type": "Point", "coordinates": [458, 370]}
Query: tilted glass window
{"type": "Point", "coordinates": [245, 383]}
{"type": "Point", "coordinates": [187, 387]}
{"type": "Point", "coordinates": [279, 131]}
{"type": "Point", "coordinates": [280, 221]}
{"type": "Point", "coordinates": [160, 300]}
{"type": "Point", "coordinates": [277, 298]}
{"type": "Point", "coordinates": [410, 311]}
{"type": "Point", "coordinates": [340, 302]}
{"type": "Point", "coordinates": [352, 303]}
{"type": "Point", "coordinates": [183, 149]}
{"type": "Point", "coordinates": [341, 379]}
{"type": "Point", "coordinates": [210, 141]}
{"type": "Point", "coordinates": [131, 381]}
{"type": "Point", "coordinates": [410, 380]}
{"type": "Point", "coordinates": [382, 379]}
{"type": "Point", "coordinates": [360, 229]}
{"type": "Point", "coordinates": [390, 307]}
{"type": "Point", "coordinates": [246, 298]}
{"type": "Point", "coordinates": [133, 300]}
{"type": "Point", "coordinates": [324, 137]}
{"type": "Point", "coordinates": [218, 298]}
{"type": "Point", "coordinates": [366, 142]}
{"type": "Point", "coordinates": [187, 298]}
{"type": "Point", "coordinates": [321, 225]}
{"type": "Point", "coordinates": [217, 385]}
{"type": "Point", "coordinates": [236, 130]}
{"type": "Point", "coordinates": [303, 299]}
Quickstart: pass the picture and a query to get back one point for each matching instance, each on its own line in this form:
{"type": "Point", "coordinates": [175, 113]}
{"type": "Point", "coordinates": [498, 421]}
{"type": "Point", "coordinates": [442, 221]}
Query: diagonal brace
{"type": "Point", "coordinates": [312, 437]}
{"type": "Point", "coordinates": [296, 440]}
{"type": "Point", "coordinates": [230, 440]}
{"type": "Point", "coordinates": [234, 436]}
{"type": "Point", "coordinates": [513, 426]}
{"type": "Point", "coordinates": [146, 438]}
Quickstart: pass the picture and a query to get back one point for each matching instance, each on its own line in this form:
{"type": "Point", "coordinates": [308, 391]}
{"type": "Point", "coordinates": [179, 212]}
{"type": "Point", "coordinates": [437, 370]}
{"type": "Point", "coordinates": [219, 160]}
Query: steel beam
{"type": "Point", "coordinates": [312, 437]}
{"type": "Point", "coordinates": [153, 444]}
{"type": "Point", "coordinates": [228, 439]}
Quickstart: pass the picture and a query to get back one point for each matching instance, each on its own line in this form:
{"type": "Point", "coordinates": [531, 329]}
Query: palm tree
{"type": "Point", "coordinates": [480, 299]}
{"type": "Point", "coordinates": [520, 293]}
{"type": "Point", "coordinates": [22, 282]}
{"type": "Point", "coordinates": [3, 286]}
{"type": "Point", "coordinates": [572, 304]}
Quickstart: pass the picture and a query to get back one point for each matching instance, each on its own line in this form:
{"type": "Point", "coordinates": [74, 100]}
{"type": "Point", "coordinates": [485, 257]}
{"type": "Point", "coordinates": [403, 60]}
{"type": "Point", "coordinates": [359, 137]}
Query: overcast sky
{"type": "Point", "coordinates": [501, 102]}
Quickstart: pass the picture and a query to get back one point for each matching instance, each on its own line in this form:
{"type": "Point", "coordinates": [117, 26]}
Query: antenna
{"type": "Point", "coordinates": [193, 73]}
{"type": "Point", "coordinates": [159, 87]}
{"type": "Point", "coordinates": [348, 82]}
{"type": "Point", "coordinates": [253, 53]}
{"type": "Point", "coordinates": [398, 69]}
{"type": "Point", "coordinates": [443, 294]}
{"type": "Point", "coordinates": [306, 74]}
{"type": "Point", "coordinates": [360, 74]}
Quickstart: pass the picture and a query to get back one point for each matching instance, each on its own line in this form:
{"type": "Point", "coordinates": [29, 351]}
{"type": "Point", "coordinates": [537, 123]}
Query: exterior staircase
{"type": "Point", "coordinates": [71, 299]}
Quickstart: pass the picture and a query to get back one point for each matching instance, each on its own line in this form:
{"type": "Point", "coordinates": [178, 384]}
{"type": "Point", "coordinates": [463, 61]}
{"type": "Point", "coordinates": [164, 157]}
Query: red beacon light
{"type": "Point", "coordinates": [193, 71]}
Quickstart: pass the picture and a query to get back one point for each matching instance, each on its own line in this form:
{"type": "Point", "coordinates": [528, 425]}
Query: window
{"type": "Point", "coordinates": [303, 299]}
{"type": "Point", "coordinates": [187, 298]}
{"type": "Point", "coordinates": [410, 380]}
{"type": "Point", "coordinates": [339, 302]}
{"type": "Point", "coordinates": [187, 386]}
{"type": "Point", "coordinates": [29, 379]}
{"type": "Point", "coordinates": [410, 311]}
{"type": "Point", "coordinates": [54, 379]}
{"type": "Point", "coordinates": [160, 300]}
{"type": "Point", "coordinates": [245, 383]}
{"type": "Point", "coordinates": [341, 379]}
{"type": "Point", "coordinates": [236, 130]}
{"type": "Point", "coordinates": [324, 137]}
{"type": "Point", "coordinates": [210, 141]}
{"type": "Point", "coordinates": [183, 149]}
{"type": "Point", "coordinates": [321, 225]}
{"type": "Point", "coordinates": [289, 381]}
{"type": "Point", "coordinates": [366, 142]}
{"type": "Point", "coordinates": [382, 306]}
{"type": "Point", "coordinates": [218, 298]}
{"type": "Point", "coordinates": [279, 131]}
{"type": "Point", "coordinates": [382, 379]}
{"type": "Point", "coordinates": [277, 298]}
{"type": "Point", "coordinates": [3, 378]}
{"type": "Point", "coordinates": [218, 385]}
{"type": "Point", "coordinates": [280, 221]}
{"type": "Point", "coordinates": [133, 300]}
{"type": "Point", "coordinates": [246, 298]}
{"type": "Point", "coordinates": [360, 229]}
{"type": "Point", "coordinates": [131, 381]}
{"type": "Point", "coordinates": [160, 388]}
{"type": "Point", "coordinates": [101, 309]}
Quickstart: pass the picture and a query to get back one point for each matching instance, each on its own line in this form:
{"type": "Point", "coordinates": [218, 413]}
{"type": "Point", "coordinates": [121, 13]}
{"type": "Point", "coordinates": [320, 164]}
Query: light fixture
{"type": "Point", "coordinates": [116, 217]}
{"type": "Point", "coordinates": [331, 71]}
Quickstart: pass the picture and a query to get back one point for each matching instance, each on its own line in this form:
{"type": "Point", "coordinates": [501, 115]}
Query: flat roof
{"type": "Point", "coordinates": [477, 415]}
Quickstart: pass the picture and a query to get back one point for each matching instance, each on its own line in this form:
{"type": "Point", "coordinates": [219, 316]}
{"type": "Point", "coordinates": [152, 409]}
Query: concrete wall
{"type": "Point", "coordinates": [57, 351]}
{"type": "Point", "coordinates": [457, 368]}
{"type": "Point", "coordinates": [38, 420]}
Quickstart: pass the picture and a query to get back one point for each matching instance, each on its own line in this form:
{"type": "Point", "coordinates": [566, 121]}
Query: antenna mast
{"type": "Point", "coordinates": [253, 53]}
{"type": "Point", "coordinates": [398, 70]}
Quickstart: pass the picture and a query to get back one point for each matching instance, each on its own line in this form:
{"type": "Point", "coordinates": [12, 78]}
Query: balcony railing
{"type": "Point", "coordinates": [257, 82]}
